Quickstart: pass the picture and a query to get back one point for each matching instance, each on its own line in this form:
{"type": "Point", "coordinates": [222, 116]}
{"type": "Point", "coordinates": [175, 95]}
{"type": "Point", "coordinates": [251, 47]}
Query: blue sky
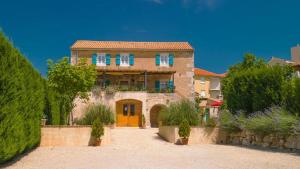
{"type": "Point", "coordinates": [221, 31]}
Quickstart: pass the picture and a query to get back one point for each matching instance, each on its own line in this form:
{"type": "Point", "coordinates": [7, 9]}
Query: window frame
{"type": "Point", "coordinates": [121, 60]}
{"type": "Point", "coordinates": [164, 60]}
{"type": "Point", "coordinates": [202, 79]}
{"type": "Point", "coordinates": [163, 83]}
{"type": "Point", "coordinates": [102, 61]}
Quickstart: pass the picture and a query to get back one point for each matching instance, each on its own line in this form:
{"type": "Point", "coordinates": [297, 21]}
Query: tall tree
{"type": "Point", "coordinates": [70, 81]}
{"type": "Point", "coordinates": [252, 85]}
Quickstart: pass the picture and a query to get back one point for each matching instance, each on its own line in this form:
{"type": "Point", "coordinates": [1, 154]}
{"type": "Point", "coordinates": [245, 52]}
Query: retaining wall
{"type": "Point", "coordinates": [198, 135]}
{"type": "Point", "coordinates": [71, 136]}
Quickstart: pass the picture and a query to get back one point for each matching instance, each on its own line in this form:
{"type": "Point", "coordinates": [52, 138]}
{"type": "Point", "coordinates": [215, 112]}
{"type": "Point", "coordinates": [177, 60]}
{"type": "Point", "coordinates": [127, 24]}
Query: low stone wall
{"type": "Point", "coordinates": [272, 141]}
{"type": "Point", "coordinates": [198, 135]}
{"type": "Point", "coordinates": [70, 136]}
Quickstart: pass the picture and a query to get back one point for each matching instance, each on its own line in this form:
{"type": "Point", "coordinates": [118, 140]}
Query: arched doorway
{"type": "Point", "coordinates": [128, 113]}
{"type": "Point", "coordinates": [154, 114]}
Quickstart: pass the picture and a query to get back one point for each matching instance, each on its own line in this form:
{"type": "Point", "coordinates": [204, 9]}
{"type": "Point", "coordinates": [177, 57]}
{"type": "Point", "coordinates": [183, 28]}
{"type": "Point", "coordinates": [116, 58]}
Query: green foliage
{"type": "Point", "coordinates": [211, 122]}
{"type": "Point", "coordinates": [70, 81]}
{"type": "Point", "coordinates": [253, 86]}
{"type": "Point", "coordinates": [52, 110]}
{"type": "Point", "coordinates": [93, 112]}
{"type": "Point", "coordinates": [143, 120]}
{"type": "Point", "coordinates": [291, 96]}
{"type": "Point", "coordinates": [97, 129]}
{"type": "Point", "coordinates": [21, 102]}
{"type": "Point", "coordinates": [232, 123]}
{"type": "Point", "coordinates": [175, 113]}
{"type": "Point", "coordinates": [184, 129]}
{"type": "Point", "coordinates": [275, 120]}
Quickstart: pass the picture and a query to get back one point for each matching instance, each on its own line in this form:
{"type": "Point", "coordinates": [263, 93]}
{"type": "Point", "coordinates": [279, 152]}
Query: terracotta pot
{"type": "Point", "coordinates": [43, 122]}
{"type": "Point", "coordinates": [112, 126]}
{"type": "Point", "coordinates": [97, 142]}
{"type": "Point", "coordinates": [184, 141]}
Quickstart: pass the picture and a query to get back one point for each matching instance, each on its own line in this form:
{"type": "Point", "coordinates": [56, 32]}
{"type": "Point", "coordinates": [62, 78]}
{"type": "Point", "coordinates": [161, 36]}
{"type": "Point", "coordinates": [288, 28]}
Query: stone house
{"type": "Point", "coordinates": [144, 75]}
{"type": "Point", "coordinates": [294, 62]}
{"type": "Point", "coordinates": [208, 87]}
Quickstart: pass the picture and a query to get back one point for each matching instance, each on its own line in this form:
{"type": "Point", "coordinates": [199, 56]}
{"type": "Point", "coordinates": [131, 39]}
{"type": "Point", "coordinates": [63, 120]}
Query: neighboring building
{"type": "Point", "coordinates": [295, 51]}
{"type": "Point", "coordinates": [294, 62]}
{"type": "Point", "coordinates": [208, 84]}
{"type": "Point", "coordinates": [146, 75]}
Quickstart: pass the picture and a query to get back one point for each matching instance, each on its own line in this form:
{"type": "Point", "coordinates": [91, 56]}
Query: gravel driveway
{"type": "Point", "coordinates": [141, 148]}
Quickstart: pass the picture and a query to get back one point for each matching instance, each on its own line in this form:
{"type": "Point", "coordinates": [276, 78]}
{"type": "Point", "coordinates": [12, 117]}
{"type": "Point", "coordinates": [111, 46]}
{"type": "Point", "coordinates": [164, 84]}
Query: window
{"type": "Point", "coordinates": [132, 110]}
{"type": "Point", "coordinates": [101, 59]}
{"type": "Point", "coordinates": [202, 79]}
{"type": "Point", "coordinates": [164, 59]}
{"type": "Point", "coordinates": [124, 59]}
{"type": "Point", "coordinates": [163, 85]}
{"type": "Point", "coordinates": [202, 93]}
{"type": "Point", "coordinates": [125, 109]}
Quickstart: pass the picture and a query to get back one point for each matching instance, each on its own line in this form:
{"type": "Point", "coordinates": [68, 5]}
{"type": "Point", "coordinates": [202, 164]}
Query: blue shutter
{"type": "Point", "coordinates": [157, 60]}
{"type": "Point", "coordinates": [157, 85]}
{"type": "Point", "coordinates": [131, 59]}
{"type": "Point", "coordinates": [171, 59]}
{"type": "Point", "coordinates": [94, 59]}
{"type": "Point", "coordinates": [107, 59]}
{"type": "Point", "coordinates": [171, 85]}
{"type": "Point", "coordinates": [118, 59]}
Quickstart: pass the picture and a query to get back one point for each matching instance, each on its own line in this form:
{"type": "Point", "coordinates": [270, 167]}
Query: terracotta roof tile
{"type": "Point", "coordinates": [202, 72]}
{"type": "Point", "coordinates": [87, 44]}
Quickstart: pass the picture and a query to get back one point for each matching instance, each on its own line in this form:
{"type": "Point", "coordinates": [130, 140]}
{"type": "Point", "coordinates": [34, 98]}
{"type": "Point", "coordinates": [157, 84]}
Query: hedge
{"type": "Point", "coordinates": [21, 102]}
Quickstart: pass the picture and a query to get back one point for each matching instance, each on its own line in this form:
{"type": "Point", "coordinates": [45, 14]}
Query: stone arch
{"type": "Point", "coordinates": [154, 114]}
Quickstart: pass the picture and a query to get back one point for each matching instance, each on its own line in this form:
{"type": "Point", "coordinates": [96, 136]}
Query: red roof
{"type": "Point", "coordinates": [88, 44]}
{"type": "Point", "coordinates": [202, 72]}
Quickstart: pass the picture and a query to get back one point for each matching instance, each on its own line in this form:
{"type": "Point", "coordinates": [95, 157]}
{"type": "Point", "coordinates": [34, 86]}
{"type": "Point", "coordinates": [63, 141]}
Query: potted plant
{"type": "Point", "coordinates": [44, 120]}
{"type": "Point", "coordinates": [143, 121]}
{"type": "Point", "coordinates": [97, 131]}
{"type": "Point", "coordinates": [184, 132]}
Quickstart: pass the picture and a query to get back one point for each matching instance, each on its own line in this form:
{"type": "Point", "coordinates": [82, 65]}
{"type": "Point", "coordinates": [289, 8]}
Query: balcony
{"type": "Point", "coordinates": [125, 81]}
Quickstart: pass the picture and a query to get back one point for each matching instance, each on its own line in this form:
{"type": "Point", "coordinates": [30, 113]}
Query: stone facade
{"type": "Point", "coordinates": [149, 100]}
{"type": "Point", "coordinates": [142, 70]}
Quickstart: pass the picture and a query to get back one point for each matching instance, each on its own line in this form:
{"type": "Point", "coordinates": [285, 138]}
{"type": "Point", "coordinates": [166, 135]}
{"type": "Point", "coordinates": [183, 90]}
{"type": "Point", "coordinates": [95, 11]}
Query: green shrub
{"type": "Point", "coordinates": [175, 113]}
{"type": "Point", "coordinates": [97, 129]}
{"type": "Point", "coordinates": [52, 109]}
{"type": "Point", "coordinates": [143, 120]}
{"type": "Point", "coordinates": [253, 86]}
{"type": "Point", "coordinates": [232, 123]}
{"type": "Point", "coordinates": [211, 122]}
{"type": "Point", "coordinates": [97, 111]}
{"type": "Point", "coordinates": [21, 102]}
{"type": "Point", "coordinates": [184, 129]}
{"type": "Point", "coordinates": [273, 121]}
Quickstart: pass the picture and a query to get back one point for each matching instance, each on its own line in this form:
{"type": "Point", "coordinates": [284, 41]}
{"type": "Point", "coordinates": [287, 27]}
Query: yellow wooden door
{"type": "Point", "coordinates": [128, 113]}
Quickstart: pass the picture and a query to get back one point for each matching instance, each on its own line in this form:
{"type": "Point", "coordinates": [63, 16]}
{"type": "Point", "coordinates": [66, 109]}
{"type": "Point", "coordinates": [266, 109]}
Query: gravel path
{"type": "Point", "coordinates": [134, 148]}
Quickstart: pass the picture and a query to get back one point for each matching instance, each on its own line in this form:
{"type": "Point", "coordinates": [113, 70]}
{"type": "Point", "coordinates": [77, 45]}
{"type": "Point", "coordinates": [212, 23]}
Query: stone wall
{"type": "Point", "coordinates": [271, 141]}
{"type": "Point", "coordinates": [198, 135]}
{"type": "Point", "coordinates": [148, 101]}
{"type": "Point", "coordinates": [70, 136]}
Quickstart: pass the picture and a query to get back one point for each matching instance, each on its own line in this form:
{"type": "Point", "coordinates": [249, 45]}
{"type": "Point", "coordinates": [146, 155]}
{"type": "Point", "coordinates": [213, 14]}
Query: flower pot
{"type": "Point", "coordinates": [97, 142]}
{"type": "Point", "coordinates": [43, 122]}
{"type": "Point", "coordinates": [112, 126]}
{"type": "Point", "coordinates": [184, 141]}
